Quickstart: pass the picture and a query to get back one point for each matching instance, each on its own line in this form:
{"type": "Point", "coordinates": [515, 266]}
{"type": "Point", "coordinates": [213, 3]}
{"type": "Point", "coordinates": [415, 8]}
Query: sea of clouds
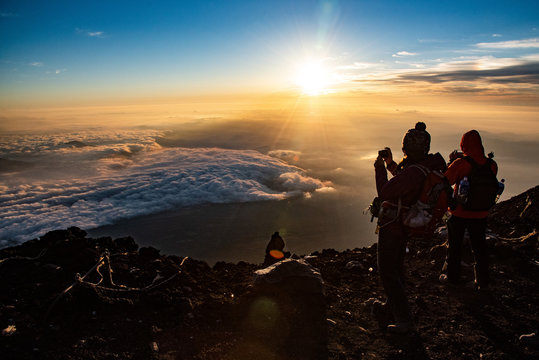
{"type": "Point", "coordinates": [89, 179]}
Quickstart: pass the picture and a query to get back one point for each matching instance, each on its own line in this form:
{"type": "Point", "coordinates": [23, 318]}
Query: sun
{"type": "Point", "coordinates": [312, 78]}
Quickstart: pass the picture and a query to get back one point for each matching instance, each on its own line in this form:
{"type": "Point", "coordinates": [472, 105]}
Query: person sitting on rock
{"type": "Point", "coordinates": [275, 250]}
{"type": "Point", "coordinates": [396, 194]}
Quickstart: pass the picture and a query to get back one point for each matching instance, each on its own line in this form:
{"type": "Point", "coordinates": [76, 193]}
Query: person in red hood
{"type": "Point", "coordinates": [461, 219]}
{"type": "Point", "coordinates": [400, 192]}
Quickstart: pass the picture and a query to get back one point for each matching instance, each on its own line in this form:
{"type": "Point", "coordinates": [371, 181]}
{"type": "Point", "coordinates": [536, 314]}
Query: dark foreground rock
{"type": "Point", "coordinates": [55, 303]}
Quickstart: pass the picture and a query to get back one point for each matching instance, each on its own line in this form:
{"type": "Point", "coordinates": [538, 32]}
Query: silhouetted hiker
{"type": "Point", "coordinates": [275, 250]}
{"type": "Point", "coordinates": [476, 193]}
{"type": "Point", "coordinates": [396, 195]}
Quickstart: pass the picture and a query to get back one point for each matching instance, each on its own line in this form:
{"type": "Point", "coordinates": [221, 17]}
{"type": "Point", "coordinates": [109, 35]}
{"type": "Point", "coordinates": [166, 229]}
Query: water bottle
{"type": "Point", "coordinates": [501, 188]}
{"type": "Point", "coordinates": [464, 188]}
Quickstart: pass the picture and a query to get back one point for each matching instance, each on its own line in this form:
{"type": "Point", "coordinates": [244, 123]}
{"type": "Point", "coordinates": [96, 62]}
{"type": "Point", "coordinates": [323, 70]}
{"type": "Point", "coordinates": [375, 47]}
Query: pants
{"type": "Point", "coordinates": [456, 227]}
{"type": "Point", "coordinates": [392, 241]}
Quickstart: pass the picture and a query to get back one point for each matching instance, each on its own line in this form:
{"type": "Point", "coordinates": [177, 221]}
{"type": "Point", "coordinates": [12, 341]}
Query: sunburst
{"type": "Point", "coordinates": [312, 78]}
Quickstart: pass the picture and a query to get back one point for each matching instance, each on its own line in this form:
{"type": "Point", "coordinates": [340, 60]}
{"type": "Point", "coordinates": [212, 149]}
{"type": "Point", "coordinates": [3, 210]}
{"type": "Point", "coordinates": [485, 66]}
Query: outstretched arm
{"type": "Point", "coordinates": [390, 163]}
{"type": "Point", "coordinates": [380, 173]}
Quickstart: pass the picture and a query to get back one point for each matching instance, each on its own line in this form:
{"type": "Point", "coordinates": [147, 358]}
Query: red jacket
{"type": "Point", "coordinates": [472, 146]}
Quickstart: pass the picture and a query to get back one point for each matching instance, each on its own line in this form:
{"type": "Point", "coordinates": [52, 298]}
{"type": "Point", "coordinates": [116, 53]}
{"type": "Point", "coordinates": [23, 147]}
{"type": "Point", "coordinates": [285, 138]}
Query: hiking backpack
{"type": "Point", "coordinates": [483, 186]}
{"type": "Point", "coordinates": [424, 216]}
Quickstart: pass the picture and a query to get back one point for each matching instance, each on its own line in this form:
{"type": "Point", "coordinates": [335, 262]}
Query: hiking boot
{"type": "Point", "coordinates": [382, 313]}
{"type": "Point", "coordinates": [400, 328]}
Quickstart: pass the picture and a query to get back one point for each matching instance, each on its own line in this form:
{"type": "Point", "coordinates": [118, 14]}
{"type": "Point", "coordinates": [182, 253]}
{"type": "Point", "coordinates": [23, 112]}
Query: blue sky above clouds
{"type": "Point", "coordinates": [78, 48]}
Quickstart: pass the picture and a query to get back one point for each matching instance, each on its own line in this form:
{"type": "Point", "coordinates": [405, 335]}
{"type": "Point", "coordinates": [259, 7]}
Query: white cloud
{"type": "Point", "coordinates": [358, 66]}
{"type": "Point", "coordinates": [512, 44]}
{"type": "Point", "coordinates": [496, 35]}
{"type": "Point", "coordinates": [298, 183]}
{"type": "Point", "coordinates": [477, 63]}
{"type": "Point", "coordinates": [36, 64]}
{"type": "Point", "coordinates": [460, 63]}
{"type": "Point", "coordinates": [92, 144]}
{"type": "Point", "coordinates": [130, 179]}
{"type": "Point", "coordinates": [326, 189]}
{"type": "Point", "coordinates": [415, 65]}
{"type": "Point", "coordinates": [96, 33]}
{"type": "Point", "coordinates": [532, 57]}
{"type": "Point", "coordinates": [404, 53]}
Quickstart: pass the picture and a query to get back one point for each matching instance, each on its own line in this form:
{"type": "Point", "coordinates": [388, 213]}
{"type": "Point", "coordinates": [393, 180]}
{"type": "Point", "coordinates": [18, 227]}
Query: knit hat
{"type": "Point", "coordinates": [417, 140]}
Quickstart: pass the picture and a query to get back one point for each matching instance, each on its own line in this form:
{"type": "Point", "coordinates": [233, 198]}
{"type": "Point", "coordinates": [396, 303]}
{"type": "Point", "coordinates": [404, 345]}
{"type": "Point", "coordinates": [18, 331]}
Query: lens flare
{"type": "Point", "coordinates": [276, 254]}
{"type": "Point", "coordinates": [264, 313]}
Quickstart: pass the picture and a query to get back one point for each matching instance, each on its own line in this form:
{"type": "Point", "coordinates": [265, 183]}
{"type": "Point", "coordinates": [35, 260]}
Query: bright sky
{"type": "Point", "coordinates": [67, 51]}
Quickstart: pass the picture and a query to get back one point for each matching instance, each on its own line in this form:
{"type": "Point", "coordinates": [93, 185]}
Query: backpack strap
{"type": "Point", "coordinates": [474, 163]}
{"type": "Point", "coordinates": [425, 170]}
{"type": "Point", "coordinates": [387, 204]}
{"type": "Point", "coordinates": [471, 161]}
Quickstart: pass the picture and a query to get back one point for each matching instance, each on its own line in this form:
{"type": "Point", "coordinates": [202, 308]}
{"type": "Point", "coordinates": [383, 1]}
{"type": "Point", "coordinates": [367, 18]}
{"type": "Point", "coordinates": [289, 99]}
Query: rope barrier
{"type": "Point", "coordinates": [152, 286]}
{"type": "Point", "coordinates": [78, 280]}
{"type": "Point", "coordinates": [105, 259]}
{"type": "Point", "coordinates": [25, 257]}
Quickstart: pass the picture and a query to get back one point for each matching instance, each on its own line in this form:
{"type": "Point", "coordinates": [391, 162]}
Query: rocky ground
{"type": "Point", "coordinates": [67, 296]}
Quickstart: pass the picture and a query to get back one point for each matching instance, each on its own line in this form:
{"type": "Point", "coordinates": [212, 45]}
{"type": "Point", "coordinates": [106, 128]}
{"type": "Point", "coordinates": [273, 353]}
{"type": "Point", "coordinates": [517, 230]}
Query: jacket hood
{"type": "Point", "coordinates": [472, 146]}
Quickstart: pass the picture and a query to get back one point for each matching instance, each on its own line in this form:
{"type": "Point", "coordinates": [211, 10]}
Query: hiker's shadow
{"type": "Point", "coordinates": [495, 320]}
{"type": "Point", "coordinates": [411, 345]}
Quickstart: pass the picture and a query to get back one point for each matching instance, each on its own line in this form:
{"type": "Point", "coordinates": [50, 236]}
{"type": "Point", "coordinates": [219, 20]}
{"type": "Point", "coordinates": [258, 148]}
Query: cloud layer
{"type": "Point", "coordinates": [523, 73]}
{"type": "Point", "coordinates": [149, 181]}
{"type": "Point", "coordinates": [511, 44]}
